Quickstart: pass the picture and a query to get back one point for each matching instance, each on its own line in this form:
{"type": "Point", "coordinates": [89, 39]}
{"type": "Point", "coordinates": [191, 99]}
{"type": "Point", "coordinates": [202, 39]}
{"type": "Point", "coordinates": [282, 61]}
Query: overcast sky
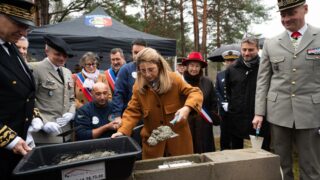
{"type": "Point", "coordinates": [273, 27]}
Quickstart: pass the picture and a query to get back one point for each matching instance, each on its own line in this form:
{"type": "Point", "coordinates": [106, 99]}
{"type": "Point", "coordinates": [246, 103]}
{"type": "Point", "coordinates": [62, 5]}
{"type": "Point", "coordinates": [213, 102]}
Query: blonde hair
{"type": "Point", "coordinates": [152, 56]}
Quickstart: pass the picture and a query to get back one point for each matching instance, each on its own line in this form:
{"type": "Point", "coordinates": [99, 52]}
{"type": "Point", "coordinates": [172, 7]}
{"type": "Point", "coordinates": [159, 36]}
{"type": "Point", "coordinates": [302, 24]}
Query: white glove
{"type": "Point", "coordinates": [225, 106]}
{"type": "Point", "coordinates": [52, 128]}
{"type": "Point", "coordinates": [64, 120]}
{"type": "Point", "coordinates": [30, 140]}
{"type": "Point", "coordinates": [36, 125]}
{"type": "Point", "coordinates": [68, 116]}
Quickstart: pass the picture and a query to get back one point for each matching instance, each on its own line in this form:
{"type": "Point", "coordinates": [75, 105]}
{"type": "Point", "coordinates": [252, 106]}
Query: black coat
{"type": "Point", "coordinates": [17, 96]}
{"type": "Point", "coordinates": [241, 89]}
{"type": "Point", "coordinates": [221, 91]}
{"type": "Point", "coordinates": [201, 130]}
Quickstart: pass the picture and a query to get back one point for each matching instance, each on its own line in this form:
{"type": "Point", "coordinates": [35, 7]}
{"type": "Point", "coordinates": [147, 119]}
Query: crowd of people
{"type": "Point", "coordinates": [274, 96]}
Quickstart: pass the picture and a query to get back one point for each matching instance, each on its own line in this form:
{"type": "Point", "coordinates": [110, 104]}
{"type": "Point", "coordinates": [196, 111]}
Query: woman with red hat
{"type": "Point", "coordinates": [201, 124]}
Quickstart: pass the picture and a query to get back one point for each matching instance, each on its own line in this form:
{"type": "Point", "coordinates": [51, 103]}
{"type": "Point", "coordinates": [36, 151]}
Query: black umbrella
{"type": "Point", "coordinates": [215, 56]}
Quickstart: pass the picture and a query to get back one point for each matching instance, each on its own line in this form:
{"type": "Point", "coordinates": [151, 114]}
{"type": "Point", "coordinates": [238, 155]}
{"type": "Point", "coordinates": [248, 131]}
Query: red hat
{"type": "Point", "coordinates": [197, 57]}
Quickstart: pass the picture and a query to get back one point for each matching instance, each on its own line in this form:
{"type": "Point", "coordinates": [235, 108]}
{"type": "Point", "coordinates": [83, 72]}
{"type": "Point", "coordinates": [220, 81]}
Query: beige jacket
{"type": "Point", "coordinates": [53, 97]}
{"type": "Point", "coordinates": [288, 84]}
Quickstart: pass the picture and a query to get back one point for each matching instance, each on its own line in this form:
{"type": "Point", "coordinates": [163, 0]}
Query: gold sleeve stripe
{"type": "Point", "coordinates": [6, 136]}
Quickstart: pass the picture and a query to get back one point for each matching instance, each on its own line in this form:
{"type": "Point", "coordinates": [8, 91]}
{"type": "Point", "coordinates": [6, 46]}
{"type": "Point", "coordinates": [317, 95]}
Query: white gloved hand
{"type": "Point", "coordinates": [68, 116]}
{"type": "Point", "coordinates": [64, 120]}
{"type": "Point", "coordinates": [36, 125]}
{"type": "Point", "coordinates": [52, 128]}
{"type": "Point", "coordinates": [29, 139]}
{"type": "Point", "coordinates": [225, 106]}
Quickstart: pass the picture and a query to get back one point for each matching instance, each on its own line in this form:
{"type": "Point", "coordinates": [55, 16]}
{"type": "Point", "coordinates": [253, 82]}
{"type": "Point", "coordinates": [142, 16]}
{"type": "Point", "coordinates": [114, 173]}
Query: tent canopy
{"type": "Point", "coordinates": [99, 33]}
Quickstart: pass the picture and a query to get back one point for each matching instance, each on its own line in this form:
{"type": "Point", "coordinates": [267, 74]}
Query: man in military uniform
{"type": "Point", "coordinates": [288, 91]}
{"type": "Point", "coordinates": [54, 92]}
{"type": "Point", "coordinates": [17, 89]}
{"type": "Point", "coordinates": [229, 57]}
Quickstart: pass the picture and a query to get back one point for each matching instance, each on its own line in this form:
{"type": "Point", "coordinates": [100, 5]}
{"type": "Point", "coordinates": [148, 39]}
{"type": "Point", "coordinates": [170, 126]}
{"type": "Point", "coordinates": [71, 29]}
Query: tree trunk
{"type": "Point", "coordinates": [218, 20]}
{"type": "Point", "coordinates": [182, 42]}
{"type": "Point", "coordinates": [204, 33]}
{"type": "Point", "coordinates": [165, 12]}
{"type": "Point", "coordinates": [42, 13]}
{"type": "Point", "coordinates": [195, 25]}
{"type": "Point", "coordinates": [204, 29]}
{"type": "Point", "coordinates": [124, 7]}
{"type": "Point", "coordinates": [145, 8]}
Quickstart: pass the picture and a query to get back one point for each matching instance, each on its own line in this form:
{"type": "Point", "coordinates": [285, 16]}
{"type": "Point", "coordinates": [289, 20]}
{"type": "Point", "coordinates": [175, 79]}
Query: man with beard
{"type": "Point", "coordinates": [240, 81]}
{"type": "Point", "coordinates": [92, 118]}
{"type": "Point", "coordinates": [117, 61]}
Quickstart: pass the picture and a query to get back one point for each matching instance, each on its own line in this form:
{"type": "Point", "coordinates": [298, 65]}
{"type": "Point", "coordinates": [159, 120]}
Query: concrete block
{"type": "Point", "coordinates": [201, 168]}
{"type": "Point", "coordinates": [245, 164]}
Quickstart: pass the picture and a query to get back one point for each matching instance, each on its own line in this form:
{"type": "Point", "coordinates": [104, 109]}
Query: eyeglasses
{"type": "Point", "coordinates": [148, 70]}
{"type": "Point", "coordinates": [91, 64]}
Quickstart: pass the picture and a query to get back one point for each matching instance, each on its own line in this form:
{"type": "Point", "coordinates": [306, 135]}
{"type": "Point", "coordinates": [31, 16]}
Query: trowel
{"type": "Point", "coordinates": [175, 119]}
{"type": "Point", "coordinates": [256, 141]}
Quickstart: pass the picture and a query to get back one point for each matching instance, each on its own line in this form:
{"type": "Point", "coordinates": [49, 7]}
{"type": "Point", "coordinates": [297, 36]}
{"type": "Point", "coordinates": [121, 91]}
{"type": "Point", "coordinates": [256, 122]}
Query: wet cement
{"type": "Point", "coordinates": [94, 155]}
{"type": "Point", "coordinates": [160, 134]}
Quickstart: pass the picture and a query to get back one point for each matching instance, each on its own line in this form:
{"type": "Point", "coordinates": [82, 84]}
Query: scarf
{"type": "Point", "coordinates": [192, 80]}
{"type": "Point", "coordinates": [252, 63]}
{"type": "Point", "coordinates": [155, 85]}
{"type": "Point", "coordinates": [91, 78]}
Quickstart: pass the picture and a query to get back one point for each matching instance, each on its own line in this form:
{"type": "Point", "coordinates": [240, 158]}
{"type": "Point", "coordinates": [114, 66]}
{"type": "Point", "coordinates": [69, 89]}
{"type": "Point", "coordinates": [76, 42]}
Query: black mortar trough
{"type": "Point", "coordinates": [41, 162]}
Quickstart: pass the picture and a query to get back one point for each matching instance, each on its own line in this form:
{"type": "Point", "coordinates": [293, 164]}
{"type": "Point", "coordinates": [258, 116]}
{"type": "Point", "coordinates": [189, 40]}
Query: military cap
{"type": "Point", "coordinates": [197, 57]}
{"type": "Point", "coordinates": [58, 44]}
{"type": "Point", "coordinates": [22, 11]}
{"type": "Point", "coordinates": [180, 59]}
{"type": "Point", "coordinates": [287, 4]}
{"type": "Point", "coordinates": [230, 54]}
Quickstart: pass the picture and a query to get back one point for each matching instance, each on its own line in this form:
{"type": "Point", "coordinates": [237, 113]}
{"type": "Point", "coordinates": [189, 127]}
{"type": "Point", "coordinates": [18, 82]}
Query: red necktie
{"type": "Point", "coordinates": [296, 35]}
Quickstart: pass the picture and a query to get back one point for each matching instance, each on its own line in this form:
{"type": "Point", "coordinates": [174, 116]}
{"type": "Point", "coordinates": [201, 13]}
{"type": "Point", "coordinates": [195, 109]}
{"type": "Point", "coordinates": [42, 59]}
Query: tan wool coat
{"type": "Point", "coordinates": [157, 110]}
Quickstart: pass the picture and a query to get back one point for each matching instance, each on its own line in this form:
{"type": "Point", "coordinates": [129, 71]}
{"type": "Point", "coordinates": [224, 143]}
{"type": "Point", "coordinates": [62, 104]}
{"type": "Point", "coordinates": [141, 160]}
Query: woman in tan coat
{"type": "Point", "coordinates": [159, 95]}
{"type": "Point", "coordinates": [85, 79]}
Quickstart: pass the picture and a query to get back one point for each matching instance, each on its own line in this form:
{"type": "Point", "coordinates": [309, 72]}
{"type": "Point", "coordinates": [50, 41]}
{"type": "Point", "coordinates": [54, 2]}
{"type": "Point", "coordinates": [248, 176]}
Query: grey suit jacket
{"type": "Point", "coordinates": [53, 97]}
{"type": "Point", "coordinates": [288, 85]}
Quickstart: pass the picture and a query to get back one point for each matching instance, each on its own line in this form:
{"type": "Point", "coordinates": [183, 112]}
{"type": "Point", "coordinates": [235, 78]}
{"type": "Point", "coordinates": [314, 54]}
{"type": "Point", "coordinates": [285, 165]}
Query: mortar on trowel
{"type": "Point", "coordinates": [163, 133]}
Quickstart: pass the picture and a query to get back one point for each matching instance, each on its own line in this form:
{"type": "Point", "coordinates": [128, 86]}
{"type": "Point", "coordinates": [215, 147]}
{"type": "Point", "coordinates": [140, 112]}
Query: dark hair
{"type": "Point", "coordinates": [117, 50]}
{"type": "Point", "coordinates": [140, 42]}
{"type": "Point", "coordinates": [251, 40]}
